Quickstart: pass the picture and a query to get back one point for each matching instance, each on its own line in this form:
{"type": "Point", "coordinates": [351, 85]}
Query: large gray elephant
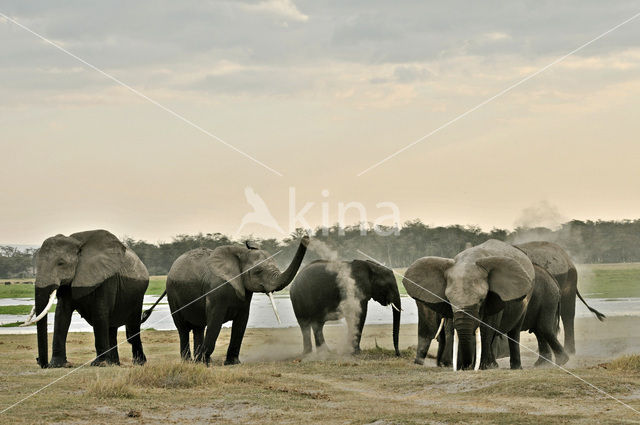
{"type": "Point", "coordinates": [95, 274]}
{"type": "Point", "coordinates": [329, 290]}
{"type": "Point", "coordinates": [557, 262]}
{"type": "Point", "coordinates": [208, 287]}
{"type": "Point", "coordinates": [490, 283]}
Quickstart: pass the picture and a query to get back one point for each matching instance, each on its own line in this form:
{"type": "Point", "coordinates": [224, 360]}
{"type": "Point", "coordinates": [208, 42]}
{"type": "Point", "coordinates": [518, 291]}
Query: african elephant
{"type": "Point", "coordinates": [329, 290]}
{"type": "Point", "coordinates": [94, 273]}
{"type": "Point", "coordinates": [199, 296]}
{"type": "Point", "coordinates": [490, 284]}
{"type": "Point", "coordinates": [557, 262]}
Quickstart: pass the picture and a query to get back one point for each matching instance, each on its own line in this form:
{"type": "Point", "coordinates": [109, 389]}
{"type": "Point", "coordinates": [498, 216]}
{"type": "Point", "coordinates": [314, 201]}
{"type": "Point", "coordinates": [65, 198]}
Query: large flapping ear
{"type": "Point", "coordinates": [225, 264]}
{"type": "Point", "coordinates": [424, 280]}
{"type": "Point", "coordinates": [101, 256]}
{"type": "Point", "coordinates": [507, 278]}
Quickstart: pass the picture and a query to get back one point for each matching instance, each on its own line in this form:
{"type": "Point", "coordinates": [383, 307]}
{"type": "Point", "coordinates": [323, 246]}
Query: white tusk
{"type": "Point", "coordinates": [478, 349]}
{"type": "Point", "coordinates": [455, 350]}
{"type": "Point", "coordinates": [395, 308]}
{"type": "Point", "coordinates": [273, 304]}
{"type": "Point", "coordinates": [33, 311]}
{"type": "Point", "coordinates": [439, 328]}
{"type": "Point", "coordinates": [44, 312]}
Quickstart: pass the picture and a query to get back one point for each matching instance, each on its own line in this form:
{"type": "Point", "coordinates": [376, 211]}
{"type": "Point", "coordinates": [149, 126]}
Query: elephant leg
{"type": "Point", "coordinates": [359, 327]}
{"type": "Point", "coordinates": [424, 340]}
{"type": "Point", "coordinates": [237, 333]}
{"type": "Point", "coordinates": [133, 336]}
{"type": "Point", "coordinates": [305, 328]}
{"type": "Point", "coordinates": [112, 356]}
{"type": "Point", "coordinates": [514, 348]}
{"type": "Point", "coordinates": [198, 340]}
{"type": "Point", "coordinates": [442, 345]}
{"type": "Point", "coordinates": [568, 313]}
{"type": "Point", "coordinates": [214, 324]}
{"type": "Point", "coordinates": [318, 335]}
{"type": "Point", "coordinates": [487, 338]}
{"type": "Point", "coordinates": [550, 338]}
{"type": "Point", "coordinates": [447, 355]}
{"type": "Point", "coordinates": [62, 321]}
{"type": "Point", "coordinates": [101, 330]}
{"type": "Point", "coordinates": [183, 333]}
{"type": "Point", "coordinates": [544, 351]}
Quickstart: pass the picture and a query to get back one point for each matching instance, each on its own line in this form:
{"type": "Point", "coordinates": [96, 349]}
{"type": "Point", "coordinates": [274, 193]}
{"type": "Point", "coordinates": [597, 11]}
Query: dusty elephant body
{"type": "Point", "coordinates": [319, 293]}
{"type": "Point", "coordinates": [557, 262]}
{"type": "Point", "coordinates": [95, 274]}
{"type": "Point", "coordinates": [489, 284]}
{"type": "Point", "coordinates": [208, 287]}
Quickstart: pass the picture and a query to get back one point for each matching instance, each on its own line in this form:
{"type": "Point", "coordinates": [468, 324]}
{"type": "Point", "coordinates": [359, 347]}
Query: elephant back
{"type": "Point", "coordinates": [548, 255]}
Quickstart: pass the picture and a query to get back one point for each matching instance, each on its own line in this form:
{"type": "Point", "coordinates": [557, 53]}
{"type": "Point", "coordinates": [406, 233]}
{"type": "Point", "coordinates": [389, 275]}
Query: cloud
{"type": "Point", "coordinates": [282, 8]}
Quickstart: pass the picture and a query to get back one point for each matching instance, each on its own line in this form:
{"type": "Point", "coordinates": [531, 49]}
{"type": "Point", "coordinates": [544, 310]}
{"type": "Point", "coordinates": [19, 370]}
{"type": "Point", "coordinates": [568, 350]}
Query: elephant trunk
{"type": "Point", "coordinates": [396, 323]}
{"type": "Point", "coordinates": [287, 276]}
{"type": "Point", "coordinates": [465, 326]}
{"type": "Point", "coordinates": [42, 300]}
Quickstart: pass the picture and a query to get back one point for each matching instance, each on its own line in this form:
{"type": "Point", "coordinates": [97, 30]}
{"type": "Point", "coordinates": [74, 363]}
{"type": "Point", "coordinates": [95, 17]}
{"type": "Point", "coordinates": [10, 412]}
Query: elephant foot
{"type": "Point", "coordinates": [516, 366]}
{"type": "Point", "coordinates": [140, 360]}
{"type": "Point", "coordinates": [418, 361]}
{"type": "Point", "coordinates": [490, 365]}
{"type": "Point", "coordinates": [570, 350]}
{"type": "Point", "coordinates": [57, 362]}
{"type": "Point", "coordinates": [99, 362]}
{"type": "Point", "coordinates": [562, 359]}
{"type": "Point", "coordinates": [356, 351]}
{"type": "Point", "coordinates": [542, 363]}
{"type": "Point", "coordinates": [229, 362]}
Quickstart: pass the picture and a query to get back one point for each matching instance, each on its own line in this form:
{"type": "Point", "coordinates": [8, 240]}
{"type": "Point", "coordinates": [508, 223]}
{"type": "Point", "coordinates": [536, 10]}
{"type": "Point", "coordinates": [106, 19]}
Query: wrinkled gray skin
{"type": "Point", "coordinates": [558, 263]}
{"type": "Point", "coordinates": [316, 296]}
{"type": "Point", "coordinates": [477, 285]}
{"type": "Point", "coordinates": [96, 275]}
{"type": "Point", "coordinates": [200, 297]}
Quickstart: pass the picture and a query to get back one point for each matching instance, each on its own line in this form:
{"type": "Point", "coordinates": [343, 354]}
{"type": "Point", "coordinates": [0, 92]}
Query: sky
{"type": "Point", "coordinates": [316, 92]}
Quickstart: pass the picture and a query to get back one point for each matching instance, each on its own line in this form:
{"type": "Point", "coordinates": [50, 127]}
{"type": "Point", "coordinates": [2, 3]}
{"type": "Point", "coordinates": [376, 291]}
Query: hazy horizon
{"type": "Point", "coordinates": [318, 92]}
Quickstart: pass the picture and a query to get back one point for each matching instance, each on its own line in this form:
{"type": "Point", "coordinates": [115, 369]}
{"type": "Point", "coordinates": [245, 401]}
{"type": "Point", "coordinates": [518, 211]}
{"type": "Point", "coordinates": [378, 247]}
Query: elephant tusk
{"type": "Point", "coordinates": [455, 350]}
{"type": "Point", "coordinates": [273, 304]}
{"type": "Point", "coordinates": [33, 311]}
{"type": "Point", "coordinates": [478, 349]}
{"type": "Point", "coordinates": [439, 328]}
{"type": "Point", "coordinates": [43, 312]}
{"type": "Point", "coordinates": [395, 308]}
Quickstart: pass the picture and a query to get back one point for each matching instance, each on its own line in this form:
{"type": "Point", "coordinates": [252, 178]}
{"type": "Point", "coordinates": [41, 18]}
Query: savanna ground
{"type": "Point", "coordinates": [275, 385]}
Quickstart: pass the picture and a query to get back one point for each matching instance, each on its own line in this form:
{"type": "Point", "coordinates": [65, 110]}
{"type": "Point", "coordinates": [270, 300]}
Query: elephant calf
{"type": "Point", "coordinates": [328, 290]}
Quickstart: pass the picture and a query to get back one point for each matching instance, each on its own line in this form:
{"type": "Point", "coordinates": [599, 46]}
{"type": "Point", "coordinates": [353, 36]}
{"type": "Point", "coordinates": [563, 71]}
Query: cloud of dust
{"type": "Point", "coordinates": [349, 307]}
{"type": "Point", "coordinates": [542, 214]}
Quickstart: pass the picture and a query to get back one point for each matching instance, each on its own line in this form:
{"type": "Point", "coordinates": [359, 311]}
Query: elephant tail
{"type": "Point", "coordinates": [556, 325]}
{"type": "Point", "coordinates": [599, 315]}
{"type": "Point", "coordinates": [147, 313]}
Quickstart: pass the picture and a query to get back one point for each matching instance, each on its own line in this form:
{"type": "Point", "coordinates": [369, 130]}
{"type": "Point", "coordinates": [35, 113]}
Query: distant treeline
{"type": "Point", "coordinates": [586, 241]}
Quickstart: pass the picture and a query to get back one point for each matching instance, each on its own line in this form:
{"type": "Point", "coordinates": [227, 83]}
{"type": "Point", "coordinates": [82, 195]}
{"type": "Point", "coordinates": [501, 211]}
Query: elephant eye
{"type": "Point", "coordinates": [61, 262]}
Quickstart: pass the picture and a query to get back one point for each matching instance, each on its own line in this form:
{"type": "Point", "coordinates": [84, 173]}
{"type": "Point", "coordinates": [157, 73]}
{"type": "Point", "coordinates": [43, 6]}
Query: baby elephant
{"type": "Point", "coordinates": [330, 290]}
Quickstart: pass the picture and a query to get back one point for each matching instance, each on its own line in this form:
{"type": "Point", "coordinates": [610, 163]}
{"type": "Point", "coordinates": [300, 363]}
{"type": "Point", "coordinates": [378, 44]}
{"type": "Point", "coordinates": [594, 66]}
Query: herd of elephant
{"type": "Point", "coordinates": [474, 304]}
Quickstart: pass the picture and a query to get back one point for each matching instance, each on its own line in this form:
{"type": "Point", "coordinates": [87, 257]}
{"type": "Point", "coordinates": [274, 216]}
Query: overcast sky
{"type": "Point", "coordinates": [318, 91]}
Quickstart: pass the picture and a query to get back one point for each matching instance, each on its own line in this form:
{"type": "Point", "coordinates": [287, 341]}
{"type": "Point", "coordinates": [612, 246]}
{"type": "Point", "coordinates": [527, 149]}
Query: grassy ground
{"type": "Point", "coordinates": [275, 385]}
{"type": "Point", "coordinates": [595, 281]}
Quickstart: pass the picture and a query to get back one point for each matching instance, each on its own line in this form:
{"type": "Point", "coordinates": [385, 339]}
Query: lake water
{"type": "Point", "coordinates": [262, 315]}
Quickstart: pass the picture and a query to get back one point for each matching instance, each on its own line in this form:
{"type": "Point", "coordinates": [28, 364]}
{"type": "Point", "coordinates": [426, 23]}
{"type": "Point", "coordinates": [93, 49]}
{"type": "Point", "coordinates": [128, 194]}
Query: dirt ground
{"type": "Point", "coordinates": [275, 385]}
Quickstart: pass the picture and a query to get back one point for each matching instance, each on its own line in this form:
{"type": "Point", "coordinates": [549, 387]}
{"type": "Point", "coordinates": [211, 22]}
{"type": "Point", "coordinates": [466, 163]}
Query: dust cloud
{"type": "Point", "coordinates": [542, 214]}
{"type": "Point", "coordinates": [349, 307]}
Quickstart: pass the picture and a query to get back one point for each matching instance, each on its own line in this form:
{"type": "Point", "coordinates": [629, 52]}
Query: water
{"type": "Point", "coordinates": [262, 315]}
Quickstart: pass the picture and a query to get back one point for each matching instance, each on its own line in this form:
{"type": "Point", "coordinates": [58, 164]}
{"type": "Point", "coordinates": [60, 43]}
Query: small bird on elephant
{"type": "Point", "coordinates": [330, 290]}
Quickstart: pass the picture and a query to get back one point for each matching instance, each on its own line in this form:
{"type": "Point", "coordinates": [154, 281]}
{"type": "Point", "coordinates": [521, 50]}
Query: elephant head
{"type": "Point", "coordinates": [78, 263]}
{"type": "Point", "coordinates": [380, 283]}
{"type": "Point", "coordinates": [473, 285]}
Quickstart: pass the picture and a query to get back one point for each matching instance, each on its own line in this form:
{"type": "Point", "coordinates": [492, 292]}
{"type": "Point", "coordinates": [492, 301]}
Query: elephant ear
{"type": "Point", "coordinates": [506, 276]}
{"type": "Point", "coordinates": [424, 280]}
{"type": "Point", "coordinates": [225, 264]}
{"type": "Point", "coordinates": [101, 256]}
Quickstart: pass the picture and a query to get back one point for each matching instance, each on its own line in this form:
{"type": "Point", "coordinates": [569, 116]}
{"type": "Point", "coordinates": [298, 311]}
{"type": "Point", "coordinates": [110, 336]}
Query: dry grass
{"type": "Point", "coordinates": [630, 363]}
{"type": "Point", "coordinates": [274, 385]}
